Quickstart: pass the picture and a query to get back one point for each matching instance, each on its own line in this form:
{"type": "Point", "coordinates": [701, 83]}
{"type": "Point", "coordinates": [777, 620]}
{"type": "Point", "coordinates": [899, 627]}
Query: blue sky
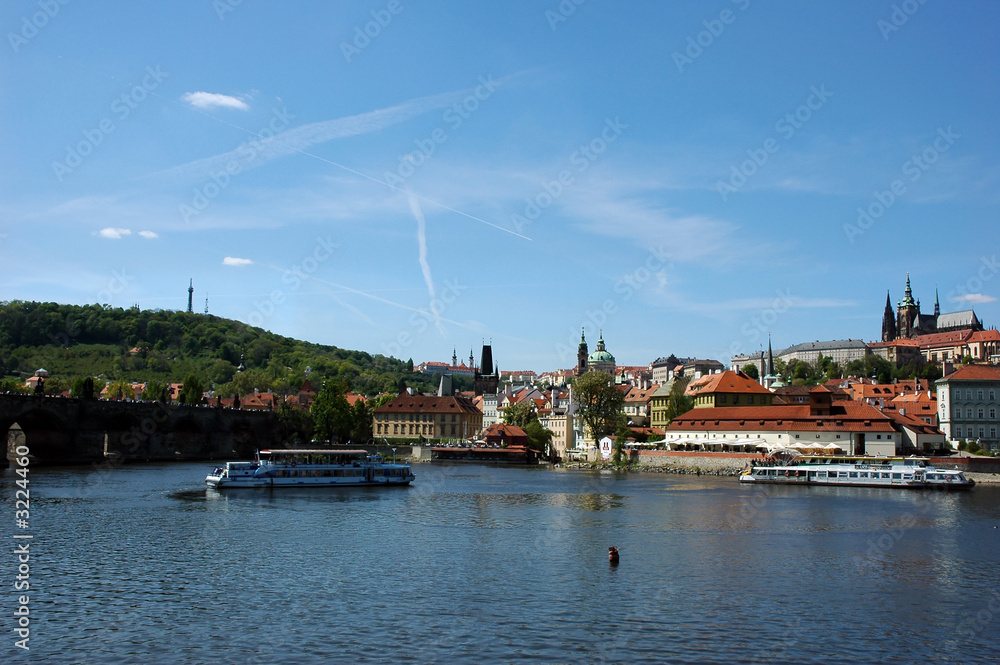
{"type": "Point", "coordinates": [408, 177]}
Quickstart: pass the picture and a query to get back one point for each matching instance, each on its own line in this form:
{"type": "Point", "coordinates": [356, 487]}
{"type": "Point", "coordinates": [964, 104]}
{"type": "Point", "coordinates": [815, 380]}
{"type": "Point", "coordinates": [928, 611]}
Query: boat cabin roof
{"type": "Point", "coordinates": [312, 451]}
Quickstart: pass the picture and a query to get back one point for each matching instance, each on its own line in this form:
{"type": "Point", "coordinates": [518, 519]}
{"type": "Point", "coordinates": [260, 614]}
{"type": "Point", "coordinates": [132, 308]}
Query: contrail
{"type": "Point", "coordinates": [422, 243]}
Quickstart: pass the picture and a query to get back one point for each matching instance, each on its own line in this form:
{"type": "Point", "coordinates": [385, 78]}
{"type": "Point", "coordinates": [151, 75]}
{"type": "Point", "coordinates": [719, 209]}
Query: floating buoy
{"type": "Point", "coordinates": [613, 554]}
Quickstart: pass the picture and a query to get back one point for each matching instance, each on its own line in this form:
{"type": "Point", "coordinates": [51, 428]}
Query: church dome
{"type": "Point", "coordinates": [601, 354]}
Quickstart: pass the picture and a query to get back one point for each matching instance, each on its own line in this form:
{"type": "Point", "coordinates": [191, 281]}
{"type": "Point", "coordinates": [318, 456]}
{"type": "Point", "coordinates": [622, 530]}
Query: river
{"type": "Point", "coordinates": [479, 564]}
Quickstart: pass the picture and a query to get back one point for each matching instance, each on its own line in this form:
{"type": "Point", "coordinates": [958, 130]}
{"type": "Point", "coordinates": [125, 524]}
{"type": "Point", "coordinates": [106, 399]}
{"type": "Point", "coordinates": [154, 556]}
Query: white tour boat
{"type": "Point", "coordinates": [310, 468]}
{"type": "Point", "coordinates": [863, 471]}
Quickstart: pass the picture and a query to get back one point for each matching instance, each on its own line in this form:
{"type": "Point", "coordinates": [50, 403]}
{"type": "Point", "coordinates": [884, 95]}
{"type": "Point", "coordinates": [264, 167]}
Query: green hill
{"type": "Point", "coordinates": [111, 344]}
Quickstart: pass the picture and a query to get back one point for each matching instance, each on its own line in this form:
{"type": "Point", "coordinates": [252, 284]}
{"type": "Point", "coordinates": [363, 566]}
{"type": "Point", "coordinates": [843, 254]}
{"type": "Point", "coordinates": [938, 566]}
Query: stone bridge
{"type": "Point", "coordinates": [61, 430]}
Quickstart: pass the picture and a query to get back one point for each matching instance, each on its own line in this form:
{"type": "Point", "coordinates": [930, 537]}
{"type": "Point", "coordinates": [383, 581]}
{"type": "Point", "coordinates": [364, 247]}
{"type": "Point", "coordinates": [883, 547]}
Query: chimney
{"type": "Point", "coordinates": [902, 412]}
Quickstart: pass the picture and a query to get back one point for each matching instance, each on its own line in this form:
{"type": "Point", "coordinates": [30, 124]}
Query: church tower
{"type": "Point", "coordinates": [907, 312]}
{"type": "Point", "coordinates": [888, 321]}
{"type": "Point", "coordinates": [582, 355]}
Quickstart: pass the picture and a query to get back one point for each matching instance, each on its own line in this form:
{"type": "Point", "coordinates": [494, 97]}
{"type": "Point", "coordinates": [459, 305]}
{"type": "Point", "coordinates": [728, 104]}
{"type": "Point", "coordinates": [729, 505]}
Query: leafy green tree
{"type": "Point", "coordinates": [677, 402]}
{"type": "Point", "coordinates": [361, 421]}
{"type": "Point", "coordinates": [539, 437]}
{"type": "Point", "coordinates": [193, 391]}
{"type": "Point", "coordinates": [601, 404]}
{"type": "Point", "coordinates": [294, 423]}
{"type": "Point", "coordinates": [751, 370]}
{"type": "Point", "coordinates": [155, 391]}
{"type": "Point", "coordinates": [621, 437]}
{"type": "Point", "coordinates": [120, 390]}
{"type": "Point", "coordinates": [520, 414]}
{"type": "Point", "coordinates": [331, 414]}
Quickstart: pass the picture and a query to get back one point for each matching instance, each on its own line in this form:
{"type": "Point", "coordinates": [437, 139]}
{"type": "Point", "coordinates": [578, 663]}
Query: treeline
{"type": "Point", "coordinates": [114, 344]}
{"type": "Point", "coordinates": [803, 373]}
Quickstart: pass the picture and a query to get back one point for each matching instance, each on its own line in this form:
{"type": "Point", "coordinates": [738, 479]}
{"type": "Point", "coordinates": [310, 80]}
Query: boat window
{"type": "Point", "coordinates": [852, 474]}
{"type": "Point", "coordinates": [863, 474]}
{"type": "Point", "coordinates": [821, 474]}
{"type": "Point", "coordinates": [907, 476]}
{"type": "Point", "coordinates": [897, 476]}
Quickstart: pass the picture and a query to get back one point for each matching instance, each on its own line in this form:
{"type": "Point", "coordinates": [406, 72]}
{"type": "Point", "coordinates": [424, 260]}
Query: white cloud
{"type": "Point", "coordinates": [975, 298]}
{"type": "Point", "coordinates": [208, 100]}
{"type": "Point", "coordinates": [234, 261]}
{"type": "Point", "coordinates": [113, 233]}
{"type": "Point", "coordinates": [148, 235]}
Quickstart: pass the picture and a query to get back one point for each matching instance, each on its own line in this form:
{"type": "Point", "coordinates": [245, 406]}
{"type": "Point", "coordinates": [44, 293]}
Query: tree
{"type": "Point", "coordinates": [601, 404]}
{"type": "Point", "coordinates": [193, 391]}
{"type": "Point", "coordinates": [751, 370]}
{"type": "Point", "coordinates": [331, 414]}
{"type": "Point", "coordinates": [520, 414]}
{"type": "Point", "coordinates": [539, 438]}
{"type": "Point", "coordinates": [677, 402]}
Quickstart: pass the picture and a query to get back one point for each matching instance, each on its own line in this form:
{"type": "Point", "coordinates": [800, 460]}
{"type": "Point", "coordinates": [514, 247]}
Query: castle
{"type": "Point", "coordinates": [908, 322]}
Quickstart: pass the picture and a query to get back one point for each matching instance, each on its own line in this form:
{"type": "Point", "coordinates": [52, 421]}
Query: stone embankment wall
{"type": "Point", "coordinates": [671, 461]}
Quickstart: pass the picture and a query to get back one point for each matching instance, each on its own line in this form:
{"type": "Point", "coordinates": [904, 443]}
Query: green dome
{"type": "Point", "coordinates": [601, 357]}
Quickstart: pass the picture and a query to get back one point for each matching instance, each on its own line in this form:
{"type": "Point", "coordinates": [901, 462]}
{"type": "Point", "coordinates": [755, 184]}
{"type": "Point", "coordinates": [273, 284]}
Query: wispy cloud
{"type": "Point", "coordinates": [210, 100]}
{"type": "Point", "coordinates": [975, 298]}
{"type": "Point", "coordinates": [235, 261]}
{"type": "Point", "coordinates": [301, 138]}
{"type": "Point", "coordinates": [148, 235]}
{"type": "Point", "coordinates": [114, 233]}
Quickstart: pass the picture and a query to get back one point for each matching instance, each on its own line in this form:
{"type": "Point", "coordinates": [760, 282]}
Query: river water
{"type": "Point", "coordinates": [478, 564]}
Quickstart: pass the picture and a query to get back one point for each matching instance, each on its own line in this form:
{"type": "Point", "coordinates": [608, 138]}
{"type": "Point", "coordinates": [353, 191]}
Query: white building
{"type": "Point", "coordinates": [968, 407]}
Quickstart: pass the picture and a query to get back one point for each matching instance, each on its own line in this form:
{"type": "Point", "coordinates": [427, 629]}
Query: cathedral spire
{"type": "Point", "coordinates": [888, 321]}
{"type": "Point", "coordinates": [937, 303]}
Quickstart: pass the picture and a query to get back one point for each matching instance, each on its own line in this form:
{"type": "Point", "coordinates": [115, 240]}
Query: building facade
{"type": "Point", "coordinates": [429, 416]}
{"type": "Point", "coordinates": [968, 405]}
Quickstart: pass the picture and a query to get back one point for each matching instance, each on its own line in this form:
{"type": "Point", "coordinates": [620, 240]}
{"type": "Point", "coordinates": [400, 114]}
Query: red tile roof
{"type": "Point", "coordinates": [727, 382]}
{"type": "Point", "coordinates": [975, 373]}
{"type": "Point", "coordinates": [406, 403]}
{"type": "Point", "coordinates": [845, 416]}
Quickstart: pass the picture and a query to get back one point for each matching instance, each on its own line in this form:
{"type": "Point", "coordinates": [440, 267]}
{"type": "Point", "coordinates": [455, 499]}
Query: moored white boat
{"type": "Point", "coordinates": [859, 471]}
{"type": "Point", "coordinates": [310, 468]}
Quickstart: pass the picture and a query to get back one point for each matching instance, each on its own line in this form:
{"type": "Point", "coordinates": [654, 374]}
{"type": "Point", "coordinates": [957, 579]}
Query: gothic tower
{"type": "Point", "coordinates": [581, 355]}
{"type": "Point", "coordinates": [486, 382]}
{"type": "Point", "coordinates": [906, 312]}
{"type": "Point", "coordinates": [888, 321]}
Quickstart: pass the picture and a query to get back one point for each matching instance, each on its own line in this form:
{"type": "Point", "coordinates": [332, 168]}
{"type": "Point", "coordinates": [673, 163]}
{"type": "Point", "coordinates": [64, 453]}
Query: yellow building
{"type": "Point", "coordinates": [432, 417]}
{"type": "Point", "coordinates": [728, 388]}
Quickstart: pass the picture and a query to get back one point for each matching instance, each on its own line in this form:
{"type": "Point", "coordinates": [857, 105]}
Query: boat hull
{"type": "Point", "coordinates": [897, 472]}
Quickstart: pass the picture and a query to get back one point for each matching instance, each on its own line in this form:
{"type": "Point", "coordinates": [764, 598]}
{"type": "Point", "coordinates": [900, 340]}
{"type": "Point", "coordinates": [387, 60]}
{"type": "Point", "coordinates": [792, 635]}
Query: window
{"type": "Point", "coordinates": [979, 394]}
{"type": "Point", "coordinates": [993, 414]}
{"type": "Point", "coordinates": [722, 399]}
{"type": "Point", "coordinates": [958, 412]}
{"type": "Point", "coordinates": [981, 432]}
{"type": "Point", "coordinates": [980, 412]}
{"type": "Point", "coordinates": [992, 395]}
{"type": "Point", "coordinates": [968, 394]}
{"type": "Point", "coordinates": [958, 432]}
{"type": "Point", "coordinates": [993, 432]}
{"type": "Point", "coordinates": [750, 399]}
{"type": "Point", "coordinates": [968, 413]}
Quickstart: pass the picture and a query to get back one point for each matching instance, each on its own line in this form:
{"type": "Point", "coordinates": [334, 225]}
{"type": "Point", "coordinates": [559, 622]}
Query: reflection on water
{"type": "Point", "coordinates": [496, 565]}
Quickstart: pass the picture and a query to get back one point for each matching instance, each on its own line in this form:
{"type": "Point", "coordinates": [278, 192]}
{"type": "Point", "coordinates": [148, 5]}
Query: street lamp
{"type": "Point", "coordinates": [393, 455]}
